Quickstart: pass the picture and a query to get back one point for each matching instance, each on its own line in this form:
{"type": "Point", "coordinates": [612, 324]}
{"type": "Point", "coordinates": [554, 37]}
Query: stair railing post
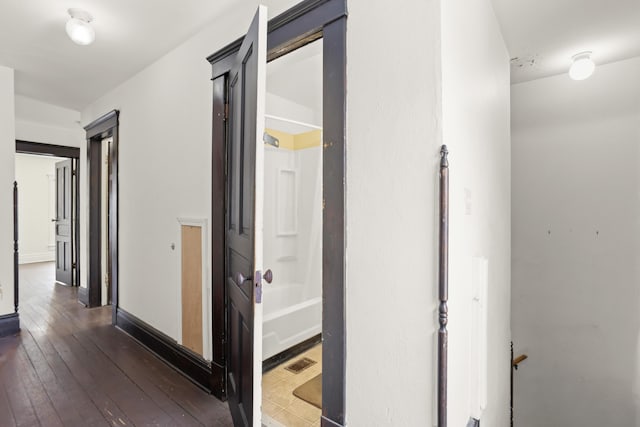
{"type": "Point", "coordinates": [511, 395]}
{"type": "Point", "coordinates": [15, 247]}
{"type": "Point", "coordinates": [443, 287]}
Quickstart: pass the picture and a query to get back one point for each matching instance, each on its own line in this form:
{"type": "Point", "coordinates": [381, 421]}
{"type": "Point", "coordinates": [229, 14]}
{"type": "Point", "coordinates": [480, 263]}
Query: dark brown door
{"type": "Point", "coordinates": [244, 212]}
{"type": "Point", "coordinates": [63, 220]}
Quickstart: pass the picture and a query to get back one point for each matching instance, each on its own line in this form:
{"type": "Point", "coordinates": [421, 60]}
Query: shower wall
{"type": "Point", "coordinates": [292, 240]}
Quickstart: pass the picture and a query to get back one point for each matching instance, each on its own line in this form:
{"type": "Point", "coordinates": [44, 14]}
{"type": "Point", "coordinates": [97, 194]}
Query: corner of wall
{"type": "Point", "coordinates": [7, 177]}
{"type": "Point", "coordinates": [476, 128]}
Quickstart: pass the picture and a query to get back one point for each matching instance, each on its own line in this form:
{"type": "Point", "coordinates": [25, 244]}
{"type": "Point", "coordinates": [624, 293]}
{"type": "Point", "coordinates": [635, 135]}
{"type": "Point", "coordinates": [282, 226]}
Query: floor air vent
{"type": "Point", "coordinates": [300, 365]}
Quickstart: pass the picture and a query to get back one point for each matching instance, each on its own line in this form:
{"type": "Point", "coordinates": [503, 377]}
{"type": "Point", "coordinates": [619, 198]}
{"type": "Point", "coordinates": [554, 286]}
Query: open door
{"type": "Point", "coordinates": [243, 260]}
{"type": "Point", "coordinates": [63, 223]}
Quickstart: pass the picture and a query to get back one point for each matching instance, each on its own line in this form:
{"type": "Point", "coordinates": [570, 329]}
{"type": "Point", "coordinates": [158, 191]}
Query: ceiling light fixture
{"type": "Point", "coordinates": [582, 66]}
{"type": "Point", "coordinates": [79, 27]}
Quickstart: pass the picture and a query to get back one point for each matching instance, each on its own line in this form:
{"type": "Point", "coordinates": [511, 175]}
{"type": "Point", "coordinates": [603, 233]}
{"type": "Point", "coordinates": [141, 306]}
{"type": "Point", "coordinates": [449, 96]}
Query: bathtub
{"type": "Point", "coordinates": [288, 318]}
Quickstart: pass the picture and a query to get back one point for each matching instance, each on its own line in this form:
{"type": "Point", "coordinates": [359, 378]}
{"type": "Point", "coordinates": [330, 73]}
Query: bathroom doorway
{"type": "Point", "coordinates": [292, 236]}
{"type": "Point", "coordinates": [239, 92]}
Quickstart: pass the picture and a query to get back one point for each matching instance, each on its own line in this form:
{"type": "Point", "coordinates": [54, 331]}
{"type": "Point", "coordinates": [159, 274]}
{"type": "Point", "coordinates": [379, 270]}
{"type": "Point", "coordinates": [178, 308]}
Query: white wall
{"type": "Point", "coordinates": [393, 139]}
{"type": "Point", "coordinates": [286, 108]}
{"type": "Point", "coordinates": [36, 177]}
{"type": "Point", "coordinates": [576, 248]}
{"type": "Point", "coordinates": [475, 100]}
{"type": "Point", "coordinates": [7, 151]}
{"type": "Point", "coordinates": [165, 163]}
{"type": "Point", "coordinates": [37, 121]}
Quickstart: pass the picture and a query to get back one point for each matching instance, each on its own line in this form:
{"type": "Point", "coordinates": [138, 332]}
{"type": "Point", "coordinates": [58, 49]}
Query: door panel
{"type": "Point", "coordinates": [63, 221]}
{"type": "Point", "coordinates": [247, 82]}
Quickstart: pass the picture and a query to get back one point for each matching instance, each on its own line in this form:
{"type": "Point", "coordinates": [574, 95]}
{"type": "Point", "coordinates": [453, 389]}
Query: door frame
{"type": "Point", "coordinates": [300, 25]}
{"type": "Point", "coordinates": [73, 153]}
{"type": "Point", "coordinates": [104, 127]}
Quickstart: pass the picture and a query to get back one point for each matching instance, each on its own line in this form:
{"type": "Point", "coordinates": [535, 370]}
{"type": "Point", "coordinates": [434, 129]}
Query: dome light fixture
{"type": "Point", "coordinates": [79, 27]}
{"type": "Point", "coordinates": [582, 66]}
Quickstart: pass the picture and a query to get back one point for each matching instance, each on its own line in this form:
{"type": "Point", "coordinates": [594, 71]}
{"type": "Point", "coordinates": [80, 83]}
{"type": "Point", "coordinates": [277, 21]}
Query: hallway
{"type": "Point", "coordinates": [70, 367]}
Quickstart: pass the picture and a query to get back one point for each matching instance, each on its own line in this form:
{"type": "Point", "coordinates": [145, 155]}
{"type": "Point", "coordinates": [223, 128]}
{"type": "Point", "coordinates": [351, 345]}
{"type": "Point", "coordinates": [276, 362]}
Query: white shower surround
{"type": "Point", "coordinates": [292, 248]}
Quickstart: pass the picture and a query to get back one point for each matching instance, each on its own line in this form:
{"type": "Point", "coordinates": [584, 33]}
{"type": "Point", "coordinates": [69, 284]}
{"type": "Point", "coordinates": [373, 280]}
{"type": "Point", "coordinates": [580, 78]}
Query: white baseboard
{"type": "Point", "coordinates": [36, 257]}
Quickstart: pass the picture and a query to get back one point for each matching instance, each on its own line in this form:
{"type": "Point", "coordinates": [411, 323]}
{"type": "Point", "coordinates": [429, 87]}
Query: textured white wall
{"type": "Point", "coordinates": [576, 248]}
{"type": "Point", "coordinates": [476, 129]}
{"type": "Point", "coordinates": [7, 176]}
{"type": "Point", "coordinates": [393, 139]}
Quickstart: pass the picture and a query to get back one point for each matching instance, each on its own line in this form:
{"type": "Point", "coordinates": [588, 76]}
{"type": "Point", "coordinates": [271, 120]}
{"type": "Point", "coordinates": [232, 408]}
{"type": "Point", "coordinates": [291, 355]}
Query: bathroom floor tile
{"type": "Point", "coordinates": [304, 410]}
{"type": "Point", "coordinates": [281, 394]}
{"type": "Point", "coordinates": [290, 419]}
{"type": "Point", "coordinates": [270, 407]}
{"type": "Point", "coordinates": [278, 401]}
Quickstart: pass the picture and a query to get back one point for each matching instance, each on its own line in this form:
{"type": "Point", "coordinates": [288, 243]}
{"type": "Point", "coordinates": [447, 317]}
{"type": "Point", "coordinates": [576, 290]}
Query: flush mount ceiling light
{"type": "Point", "coordinates": [582, 66]}
{"type": "Point", "coordinates": [79, 27]}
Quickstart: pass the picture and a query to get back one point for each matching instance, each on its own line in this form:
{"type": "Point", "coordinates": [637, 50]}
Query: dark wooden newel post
{"type": "Point", "coordinates": [15, 246]}
{"type": "Point", "coordinates": [511, 384]}
{"type": "Point", "coordinates": [443, 287]}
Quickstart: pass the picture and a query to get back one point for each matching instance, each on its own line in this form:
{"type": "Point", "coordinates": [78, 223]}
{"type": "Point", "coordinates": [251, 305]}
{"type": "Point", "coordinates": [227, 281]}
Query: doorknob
{"type": "Point", "coordinates": [54, 220]}
{"type": "Point", "coordinates": [268, 276]}
{"type": "Point", "coordinates": [240, 279]}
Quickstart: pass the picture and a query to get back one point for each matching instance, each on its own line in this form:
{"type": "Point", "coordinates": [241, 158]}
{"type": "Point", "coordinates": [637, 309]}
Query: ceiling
{"type": "Point", "coordinates": [613, 91]}
{"type": "Point", "coordinates": [543, 35]}
{"type": "Point", "coordinates": [129, 36]}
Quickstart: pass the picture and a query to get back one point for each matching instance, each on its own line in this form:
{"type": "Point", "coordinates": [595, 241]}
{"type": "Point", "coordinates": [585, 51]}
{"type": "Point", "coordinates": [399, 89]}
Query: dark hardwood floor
{"type": "Point", "coordinates": [70, 367]}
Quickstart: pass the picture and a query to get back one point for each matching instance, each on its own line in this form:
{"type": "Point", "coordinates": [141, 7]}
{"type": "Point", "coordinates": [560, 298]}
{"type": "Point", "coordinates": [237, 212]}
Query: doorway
{"type": "Point", "coordinates": [236, 365]}
{"type": "Point", "coordinates": [48, 208]}
{"type": "Point", "coordinates": [102, 175]}
{"type": "Point", "coordinates": [292, 303]}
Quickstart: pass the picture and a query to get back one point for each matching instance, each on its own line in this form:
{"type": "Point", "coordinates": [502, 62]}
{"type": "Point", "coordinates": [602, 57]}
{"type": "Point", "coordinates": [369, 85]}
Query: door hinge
{"type": "Point", "coordinates": [226, 112]}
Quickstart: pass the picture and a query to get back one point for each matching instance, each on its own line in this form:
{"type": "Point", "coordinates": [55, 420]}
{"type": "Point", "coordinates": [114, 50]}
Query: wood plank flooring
{"type": "Point", "coordinates": [70, 367]}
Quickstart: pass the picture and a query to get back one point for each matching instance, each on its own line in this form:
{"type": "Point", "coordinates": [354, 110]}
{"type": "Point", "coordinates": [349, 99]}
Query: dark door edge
{"type": "Point", "coordinates": [326, 422]}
